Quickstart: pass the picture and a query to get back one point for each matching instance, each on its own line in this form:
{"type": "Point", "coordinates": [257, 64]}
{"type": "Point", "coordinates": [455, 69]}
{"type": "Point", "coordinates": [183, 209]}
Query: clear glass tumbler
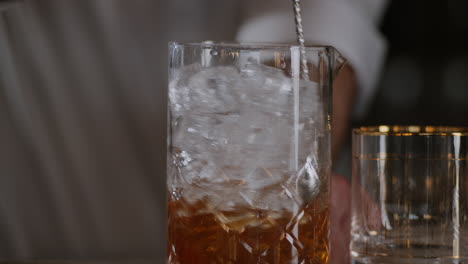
{"type": "Point", "coordinates": [248, 153]}
{"type": "Point", "coordinates": [410, 186]}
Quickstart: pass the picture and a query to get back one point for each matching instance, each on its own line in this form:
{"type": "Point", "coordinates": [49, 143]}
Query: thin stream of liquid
{"type": "Point", "coordinates": [300, 37]}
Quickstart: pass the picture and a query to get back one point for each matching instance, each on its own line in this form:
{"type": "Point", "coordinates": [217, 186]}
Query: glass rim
{"type": "Point", "coordinates": [410, 130]}
{"type": "Point", "coordinates": [247, 45]}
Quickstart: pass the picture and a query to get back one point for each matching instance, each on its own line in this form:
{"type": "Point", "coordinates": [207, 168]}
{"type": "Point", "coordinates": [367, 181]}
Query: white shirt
{"type": "Point", "coordinates": [351, 26]}
{"type": "Point", "coordinates": [83, 110]}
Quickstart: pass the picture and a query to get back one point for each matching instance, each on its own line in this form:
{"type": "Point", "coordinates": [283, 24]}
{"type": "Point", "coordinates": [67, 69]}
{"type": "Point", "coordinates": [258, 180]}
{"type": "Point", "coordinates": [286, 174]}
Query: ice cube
{"type": "Point", "coordinates": [266, 89]}
{"type": "Point", "coordinates": [207, 90]}
{"type": "Point", "coordinates": [236, 123]}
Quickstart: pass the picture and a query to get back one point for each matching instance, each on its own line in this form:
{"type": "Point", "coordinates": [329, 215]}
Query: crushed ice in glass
{"type": "Point", "coordinates": [235, 126]}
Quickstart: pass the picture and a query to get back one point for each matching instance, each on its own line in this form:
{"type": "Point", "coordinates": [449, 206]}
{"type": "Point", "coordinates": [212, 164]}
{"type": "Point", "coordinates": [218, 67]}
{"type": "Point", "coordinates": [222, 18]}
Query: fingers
{"type": "Point", "coordinates": [340, 220]}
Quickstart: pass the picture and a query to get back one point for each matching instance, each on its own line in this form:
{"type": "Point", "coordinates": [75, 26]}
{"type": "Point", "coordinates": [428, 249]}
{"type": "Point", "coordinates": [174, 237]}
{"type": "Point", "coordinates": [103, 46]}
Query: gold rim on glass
{"type": "Point", "coordinates": [384, 130]}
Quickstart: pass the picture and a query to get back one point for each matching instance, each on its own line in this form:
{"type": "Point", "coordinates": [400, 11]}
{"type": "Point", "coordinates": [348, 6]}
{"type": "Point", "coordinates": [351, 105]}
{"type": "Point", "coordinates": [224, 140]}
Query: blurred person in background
{"type": "Point", "coordinates": [83, 112]}
{"type": "Point", "coordinates": [425, 79]}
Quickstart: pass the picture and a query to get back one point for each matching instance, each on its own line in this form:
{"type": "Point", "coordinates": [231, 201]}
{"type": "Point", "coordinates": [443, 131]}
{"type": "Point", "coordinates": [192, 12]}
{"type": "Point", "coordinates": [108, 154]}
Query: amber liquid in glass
{"type": "Point", "coordinates": [199, 234]}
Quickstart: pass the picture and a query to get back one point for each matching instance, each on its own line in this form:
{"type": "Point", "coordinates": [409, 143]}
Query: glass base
{"type": "Point", "coordinates": [397, 260]}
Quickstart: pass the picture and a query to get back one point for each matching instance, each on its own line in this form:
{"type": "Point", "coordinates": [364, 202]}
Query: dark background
{"type": "Point", "coordinates": [426, 73]}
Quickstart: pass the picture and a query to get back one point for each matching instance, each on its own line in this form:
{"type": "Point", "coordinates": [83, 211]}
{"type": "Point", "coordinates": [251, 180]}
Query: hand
{"type": "Point", "coordinates": [344, 92]}
{"type": "Point", "coordinates": [340, 217]}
